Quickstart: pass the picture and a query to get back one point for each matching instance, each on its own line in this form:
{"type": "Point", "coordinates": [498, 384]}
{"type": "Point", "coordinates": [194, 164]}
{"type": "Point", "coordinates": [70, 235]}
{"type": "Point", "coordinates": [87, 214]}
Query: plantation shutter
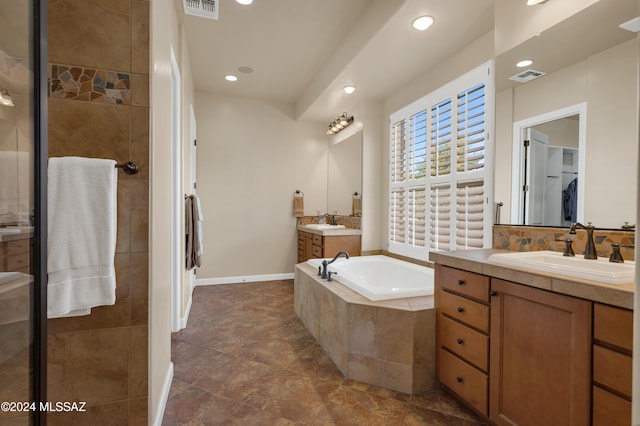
{"type": "Point", "coordinates": [469, 214]}
{"type": "Point", "coordinates": [447, 131]}
{"type": "Point", "coordinates": [441, 139]}
{"type": "Point", "coordinates": [471, 129]}
{"type": "Point", "coordinates": [396, 219]}
{"type": "Point", "coordinates": [398, 176]}
{"type": "Point", "coordinates": [440, 217]}
{"type": "Point", "coordinates": [416, 214]}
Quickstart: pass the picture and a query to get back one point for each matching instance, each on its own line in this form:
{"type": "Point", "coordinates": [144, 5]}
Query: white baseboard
{"type": "Point", "coordinates": [185, 318]}
{"type": "Point", "coordinates": [164, 397]}
{"type": "Point", "coordinates": [243, 279]}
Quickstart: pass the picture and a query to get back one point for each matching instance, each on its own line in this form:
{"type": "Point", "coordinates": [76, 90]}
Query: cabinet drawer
{"type": "Point", "coordinates": [300, 244]}
{"type": "Point", "coordinates": [467, 311]}
{"type": "Point", "coordinates": [317, 240]}
{"type": "Point", "coordinates": [317, 251]}
{"type": "Point", "coordinates": [301, 256]}
{"type": "Point", "coordinates": [9, 248]}
{"type": "Point", "coordinates": [469, 383]}
{"type": "Point", "coordinates": [465, 342]}
{"type": "Point", "coordinates": [463, 282]}
{"type": "Point", "coordinates": [610, 409]}
{"type": "Point", "coordinates": [17, 262]}
{"type": "Point", "coordinates": [613, 326]}
{"type": "Point", "coordinates": [612, 369]}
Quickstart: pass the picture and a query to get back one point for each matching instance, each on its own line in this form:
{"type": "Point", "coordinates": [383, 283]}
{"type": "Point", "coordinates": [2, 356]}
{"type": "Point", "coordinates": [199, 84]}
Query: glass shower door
{"type": "Point", "coordinates": [17, 213]}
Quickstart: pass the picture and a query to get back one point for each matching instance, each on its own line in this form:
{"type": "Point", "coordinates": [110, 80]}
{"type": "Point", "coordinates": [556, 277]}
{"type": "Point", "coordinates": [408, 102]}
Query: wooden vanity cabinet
{"type": "Point", "coordinates": [14, 255]}
{"type": "Point", "coordinates": [314, 246]}
{"type": "Point", "coordinates": [540, 357]}
{"type": "Point", "coordinates": [612, 361]}
{"type": "Point", "coordinates": [462, 334]}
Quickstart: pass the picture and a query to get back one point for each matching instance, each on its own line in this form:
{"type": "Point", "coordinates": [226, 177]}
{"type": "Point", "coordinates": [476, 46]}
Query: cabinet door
{"type": "Point", "coordinates": [540, 357]}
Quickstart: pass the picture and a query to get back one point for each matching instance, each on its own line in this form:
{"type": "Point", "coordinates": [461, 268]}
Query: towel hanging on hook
{"type": "Point", "coordinates": [356, 204]}
{"type": "Point", "coordinates": [298, 203]}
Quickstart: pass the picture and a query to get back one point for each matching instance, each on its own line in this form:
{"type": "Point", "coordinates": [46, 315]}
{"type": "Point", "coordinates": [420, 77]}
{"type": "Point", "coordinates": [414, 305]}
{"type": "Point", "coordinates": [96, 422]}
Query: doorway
{"type": "Point", "coordinates": [548, 167]}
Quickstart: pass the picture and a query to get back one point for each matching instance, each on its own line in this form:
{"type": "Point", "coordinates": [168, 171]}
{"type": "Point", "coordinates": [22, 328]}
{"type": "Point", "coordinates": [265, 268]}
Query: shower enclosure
{"type": "Point", "coordinates": [22, 211]}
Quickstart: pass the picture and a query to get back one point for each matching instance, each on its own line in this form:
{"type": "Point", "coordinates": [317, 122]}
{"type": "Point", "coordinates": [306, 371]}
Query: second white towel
{"type": "Point", "coordinates": [82, 235]}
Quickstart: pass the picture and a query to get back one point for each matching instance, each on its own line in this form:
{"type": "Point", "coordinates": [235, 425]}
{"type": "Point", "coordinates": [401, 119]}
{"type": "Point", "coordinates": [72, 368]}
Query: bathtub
{"type": "Point", "coordinates": [380, 277]}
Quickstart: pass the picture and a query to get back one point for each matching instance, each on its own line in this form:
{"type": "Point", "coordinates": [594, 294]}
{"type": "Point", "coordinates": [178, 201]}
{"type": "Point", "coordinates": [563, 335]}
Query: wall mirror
{"type": "Point", "coordinates": [344, 173]}
{"type": "Point", "coordinates": [591, 70]}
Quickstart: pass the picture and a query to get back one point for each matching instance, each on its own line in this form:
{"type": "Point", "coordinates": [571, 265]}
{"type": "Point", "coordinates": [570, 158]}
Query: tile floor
{"type": "Point", "coordinates": [245, 358]}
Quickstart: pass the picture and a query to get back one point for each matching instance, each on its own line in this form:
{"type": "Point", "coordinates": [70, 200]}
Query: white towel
{"type": "Point", "coordinates": [199, 220]}
{"type": "Point", "coordinates": [82, 235]}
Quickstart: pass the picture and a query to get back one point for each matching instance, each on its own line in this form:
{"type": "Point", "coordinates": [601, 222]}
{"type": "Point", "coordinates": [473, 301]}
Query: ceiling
{"type": "Point", "coordinates": [304, 52]}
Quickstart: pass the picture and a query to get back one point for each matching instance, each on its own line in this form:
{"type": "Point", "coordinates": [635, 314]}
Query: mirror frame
{"type": "Point", "coordinates": [517, 160]}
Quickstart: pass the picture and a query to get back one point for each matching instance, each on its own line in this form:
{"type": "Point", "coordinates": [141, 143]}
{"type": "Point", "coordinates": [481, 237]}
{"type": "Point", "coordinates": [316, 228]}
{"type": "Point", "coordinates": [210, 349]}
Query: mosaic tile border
{"type": "Point", "coordinates": [89, 84]}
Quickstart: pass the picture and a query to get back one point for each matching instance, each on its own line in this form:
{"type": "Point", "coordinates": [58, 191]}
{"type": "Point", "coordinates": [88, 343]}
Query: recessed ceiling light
{"type": "Point", "coordinates": [230, 77]}
{"type": "Point", "coordinates": [245, 2]}
{"type": "Point", "coordinates": [524, 63]}
{"type": "Point", "coordinates": [245, 70]}
{"type": "Point", "coordinates": [422, 23]}
{"type": "Point", "coordinates": [534, 2]}
{"type": "Point", "coordinates": [349, 89]}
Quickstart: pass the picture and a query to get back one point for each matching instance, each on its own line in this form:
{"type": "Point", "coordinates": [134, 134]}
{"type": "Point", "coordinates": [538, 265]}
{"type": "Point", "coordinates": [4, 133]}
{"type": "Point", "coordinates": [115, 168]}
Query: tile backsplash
{"type": "Point", "coordinates": [532, 238]}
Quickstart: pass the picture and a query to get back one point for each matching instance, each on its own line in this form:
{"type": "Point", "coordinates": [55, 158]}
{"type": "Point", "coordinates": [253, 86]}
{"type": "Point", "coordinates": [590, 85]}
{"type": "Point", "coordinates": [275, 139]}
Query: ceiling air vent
{"type": "Point", "coordinates": [204, 8]}
{"type": "Point", "coordinates": [527, 75]}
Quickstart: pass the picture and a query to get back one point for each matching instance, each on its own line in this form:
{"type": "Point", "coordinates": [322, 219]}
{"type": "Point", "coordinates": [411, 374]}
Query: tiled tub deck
{"type": "Point", "coordinates": [387, 343]}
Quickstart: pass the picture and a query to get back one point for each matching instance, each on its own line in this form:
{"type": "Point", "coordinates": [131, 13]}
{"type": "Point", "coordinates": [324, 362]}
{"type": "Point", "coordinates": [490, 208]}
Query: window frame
{"type": "Point", "coordinates": [483, 74]}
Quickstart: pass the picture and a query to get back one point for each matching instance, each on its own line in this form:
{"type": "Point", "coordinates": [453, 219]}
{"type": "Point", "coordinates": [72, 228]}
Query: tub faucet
{"type": "Point", "coordinates": [324, 274]}
{"type": "Point", "coordinates": [590, 248]}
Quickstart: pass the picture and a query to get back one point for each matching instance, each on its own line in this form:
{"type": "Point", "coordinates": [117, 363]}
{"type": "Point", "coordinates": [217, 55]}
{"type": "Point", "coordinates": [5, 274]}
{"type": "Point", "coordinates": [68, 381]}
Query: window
{"type": "Point", "coordinates": [440, 168]}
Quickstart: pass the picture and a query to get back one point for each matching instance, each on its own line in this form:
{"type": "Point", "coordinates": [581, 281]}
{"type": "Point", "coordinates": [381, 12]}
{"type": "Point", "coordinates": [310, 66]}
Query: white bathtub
{"type": "Point", "coordinates": [381, 277]}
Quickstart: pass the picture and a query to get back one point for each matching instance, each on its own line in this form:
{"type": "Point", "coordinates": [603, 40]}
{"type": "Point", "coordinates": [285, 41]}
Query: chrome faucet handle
{"type": "Point", "coordinates": [616, 257]}
{"type": "Point", "coordinates": [568, 249]}
{"type": "Point", "coordinates": [329, 275]}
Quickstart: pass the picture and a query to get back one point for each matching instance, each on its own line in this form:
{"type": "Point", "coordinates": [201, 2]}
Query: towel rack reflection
{"type": "Point", "coordinates": [129, 167]}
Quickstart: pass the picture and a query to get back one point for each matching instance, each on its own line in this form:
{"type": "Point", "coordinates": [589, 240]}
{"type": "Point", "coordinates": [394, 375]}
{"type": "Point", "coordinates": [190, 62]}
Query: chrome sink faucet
{"type": "Point", "coordinates": [324, 274]}
{"type": "Point", "coordinates": [590, 248]}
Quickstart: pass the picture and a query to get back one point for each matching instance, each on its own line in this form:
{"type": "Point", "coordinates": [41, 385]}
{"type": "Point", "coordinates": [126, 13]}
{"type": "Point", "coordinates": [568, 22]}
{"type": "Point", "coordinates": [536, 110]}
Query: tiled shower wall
{"type": "Point", "coordinates": [99, 107]}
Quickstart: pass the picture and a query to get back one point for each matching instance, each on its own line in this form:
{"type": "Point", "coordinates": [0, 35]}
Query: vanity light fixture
{"type": "Point", "coordinates": [339, 124]}
{"type": "Point", "coordinates": [349, 89]}
{"type": "Point", "coordinates": [230, 77]}
{"type": "Point", "coordinates": [5, 98]}
{"type": "Point", "coordinates": [422, 23]}
{"type": "Point", "coordinates": [524, 63]}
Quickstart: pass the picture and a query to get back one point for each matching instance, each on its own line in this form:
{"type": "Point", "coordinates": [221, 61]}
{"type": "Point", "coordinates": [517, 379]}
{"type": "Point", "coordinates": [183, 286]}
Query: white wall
{"type": "Point", "coordinates": [252, 157]}
{"type": "Point", "coordinates": [186, 102]}
{"type": "Point", "coordinates": [164, 35]}
{"type": "Point", "coordinates": [515, 22]}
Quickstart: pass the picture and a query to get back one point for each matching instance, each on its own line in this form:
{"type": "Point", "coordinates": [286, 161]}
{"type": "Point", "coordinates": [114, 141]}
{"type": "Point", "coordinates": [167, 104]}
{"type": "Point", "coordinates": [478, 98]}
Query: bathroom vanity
{"type": "Point", "coordinates": [321, 243]}
{"type": "Point", "coordinates": [522, 346]}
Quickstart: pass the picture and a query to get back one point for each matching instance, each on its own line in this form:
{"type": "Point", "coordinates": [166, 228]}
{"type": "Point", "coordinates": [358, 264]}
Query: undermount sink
{"type": "Point", "coordinates": [577, 267]}
{"type": "Point", "coordinates": [324, 226]}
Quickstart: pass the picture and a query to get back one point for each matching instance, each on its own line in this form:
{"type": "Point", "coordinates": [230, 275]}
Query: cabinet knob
{"type": "Point", "coordinates": [459, 379]}
{"type": "Point", "coordinates": [460, 282]}
{"type": "Point", "coordinates": [460, 341]}
{"type": "Point", "coordinates": [493, 293]}
{"type": "Point", "coordinates": [460, 309]}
